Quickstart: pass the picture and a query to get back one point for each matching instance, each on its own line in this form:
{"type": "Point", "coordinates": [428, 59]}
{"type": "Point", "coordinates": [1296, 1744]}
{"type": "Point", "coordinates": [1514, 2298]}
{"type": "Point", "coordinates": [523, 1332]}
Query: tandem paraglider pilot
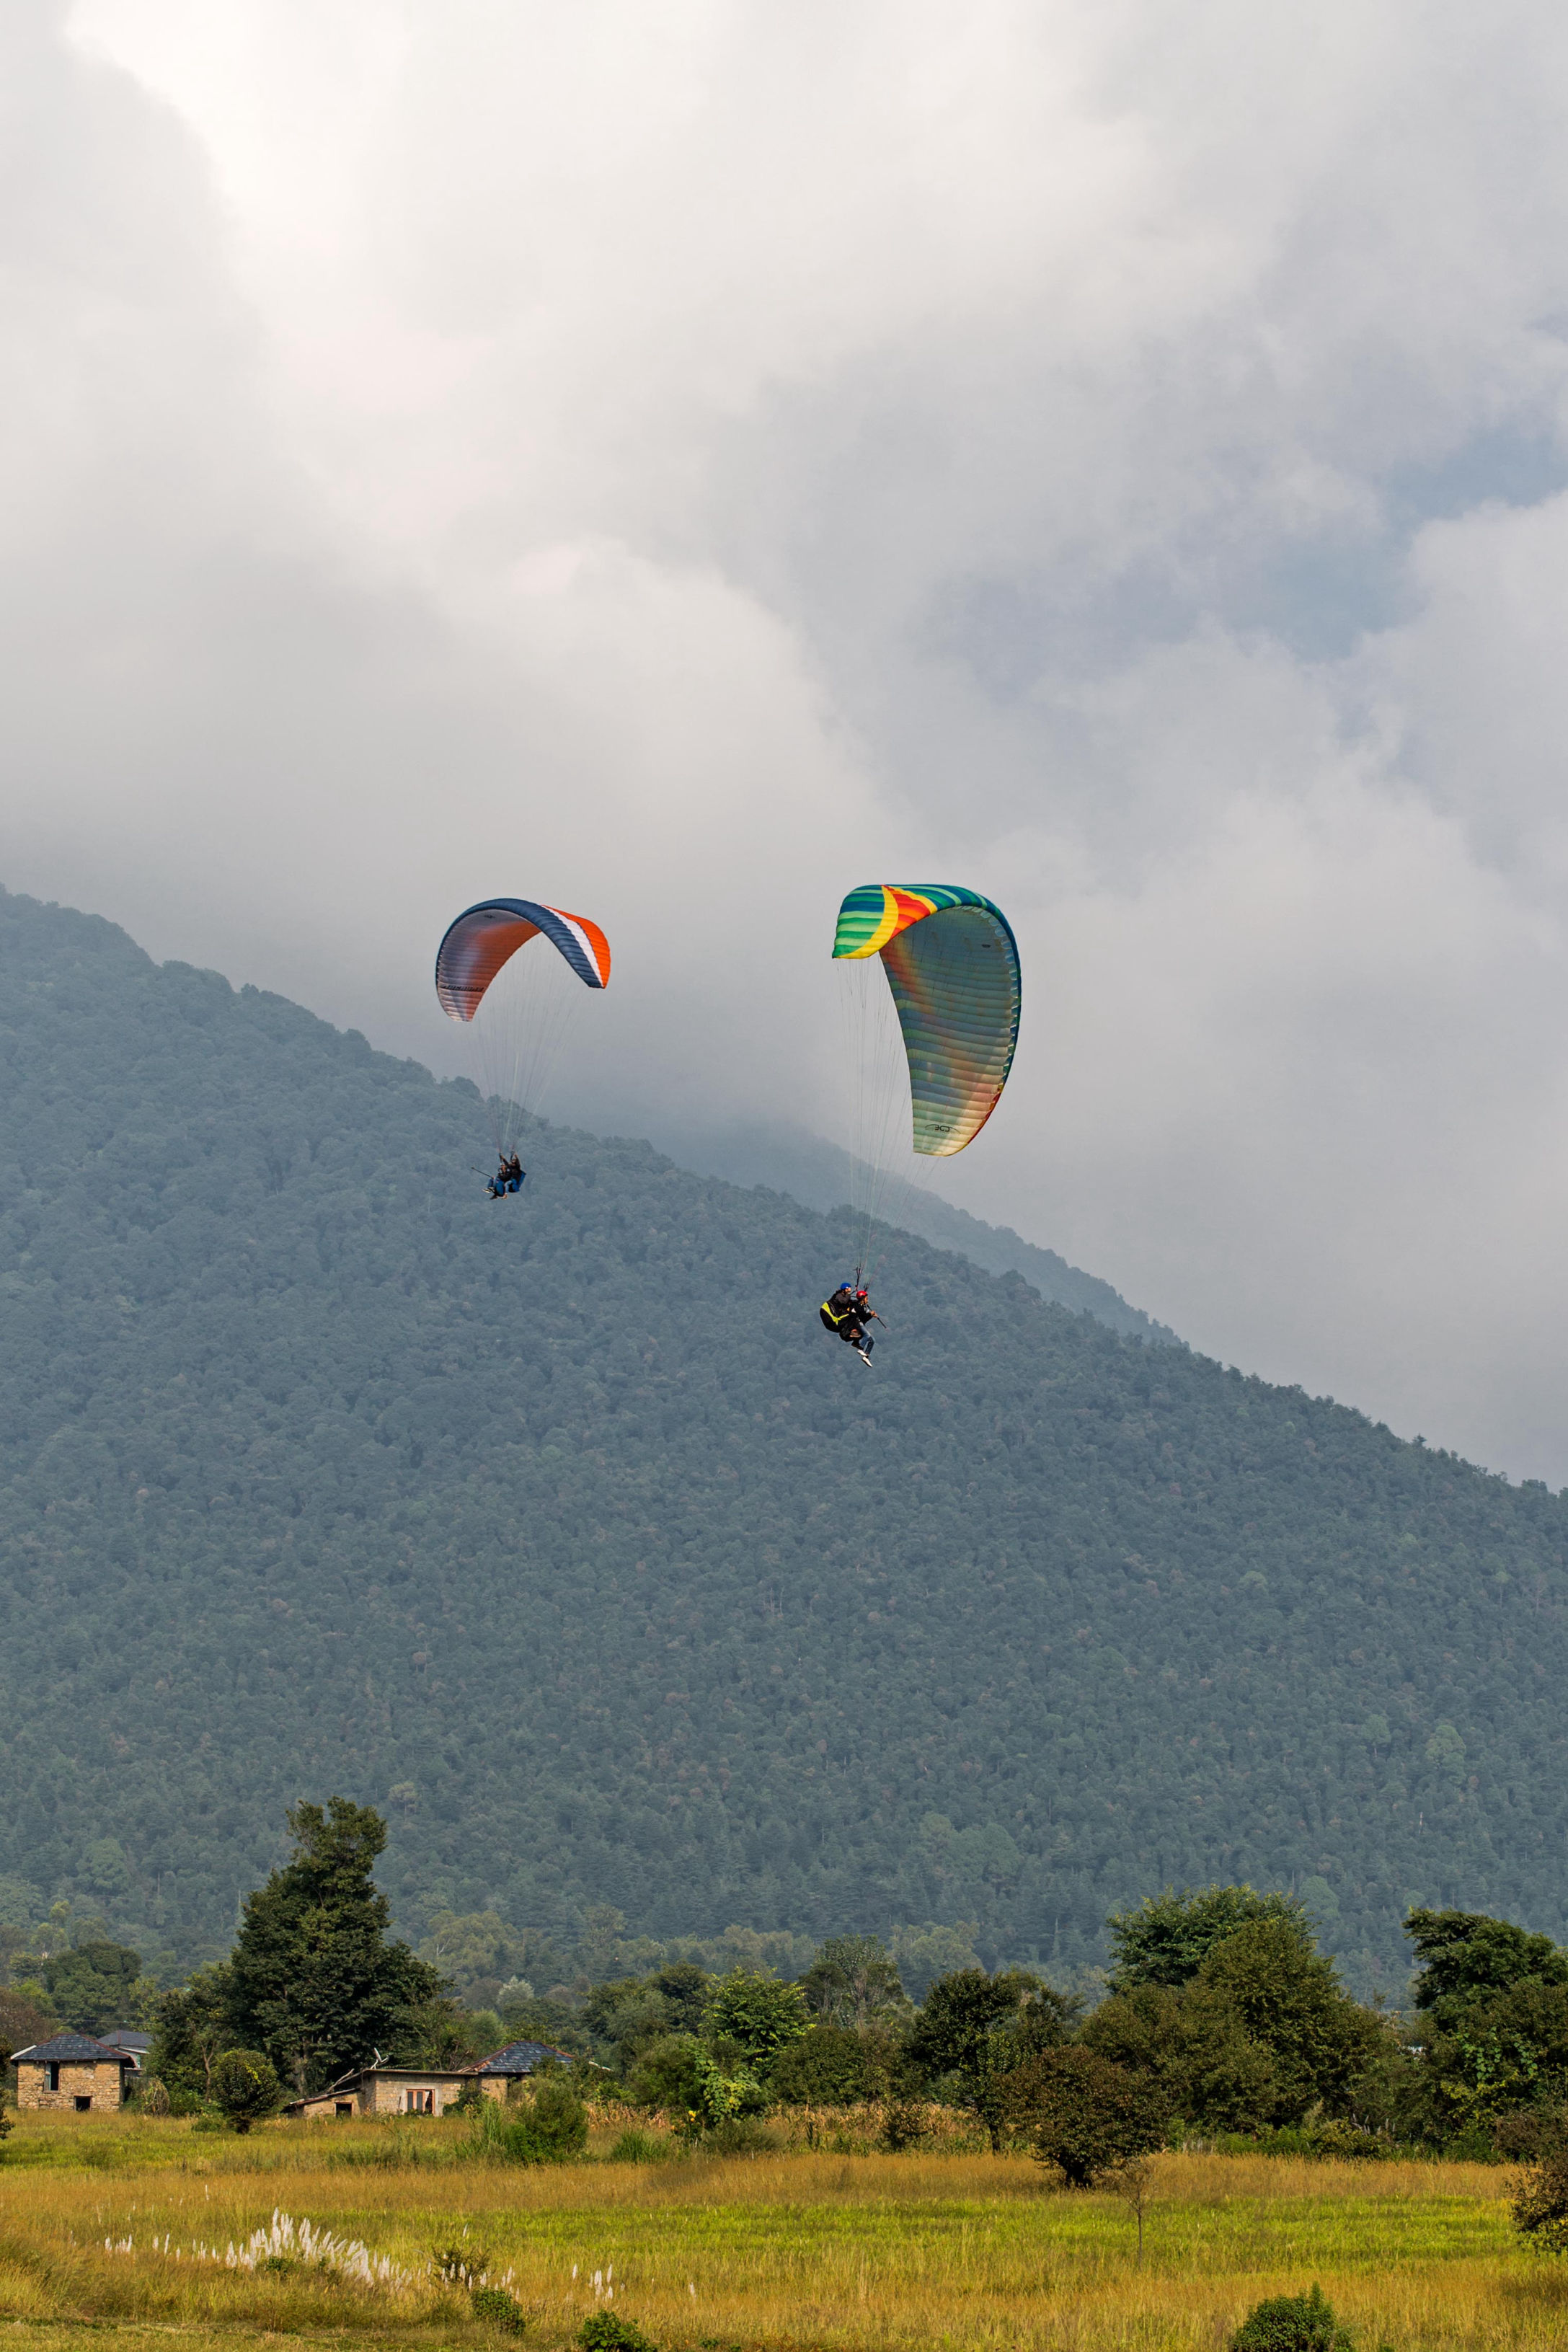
{"type": "Point", "coordinates": [847, 1313]}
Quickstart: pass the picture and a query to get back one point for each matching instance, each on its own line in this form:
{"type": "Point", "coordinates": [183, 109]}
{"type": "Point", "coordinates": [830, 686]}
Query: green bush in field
{"type": "Point", "coordinates": [502, 2310]}
{"type": "Point", "coordinates": [245, 2087]}
{"type": "Point", "coordinates": [606, 2331]}
{"type": "Point", "coordinates": [549, 2127]}
{"type": "Point", "coordinates": [1084, 2113]}
{"type": "Point", "coordinates": [1539, 2205]}
{"type": "Point", "coordinates": [1292, 2323]}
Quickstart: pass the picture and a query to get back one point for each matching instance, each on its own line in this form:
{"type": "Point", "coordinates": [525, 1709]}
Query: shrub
{"type": "Point", "coordinates": [501, 2309]}
{"type": "Point", "coordinates": [1292, 2323]}
{"type": "Point", "coordinates": [606, 2331]}
{"type": "Point", "coordinates": [152, 2095]}
{"type": "Point", "coordinates": [904, 2124]}
{"type": "Point", "coordinates": [551, 2127]}
{"type": "Point", "coordinates": [831, 2066]}
{"type": "Point", "coordinates": [665, 2075]}
{"type": "Point", "coordinates": [1528, 2134]}
{"type": "Point", "coordinates": [1540, 2205]}
{"type": "Point", "coordinates": [245, 2087]}
{"type": "Point", "coordinates": [1083, 2113]}
{"type": "Point", "coordinates": [460, 2265]}
{"type": "Point", "coordinates": [1334, 2135]}
{"type": "Point", "coordinates": [559, 2119]}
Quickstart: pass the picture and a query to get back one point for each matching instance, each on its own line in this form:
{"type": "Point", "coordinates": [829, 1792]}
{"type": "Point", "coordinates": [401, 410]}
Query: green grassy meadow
{"type": "Point", "coordinates": [103, 2223]}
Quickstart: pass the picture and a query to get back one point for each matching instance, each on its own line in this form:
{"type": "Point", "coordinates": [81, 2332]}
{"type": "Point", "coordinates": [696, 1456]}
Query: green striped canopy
{"type": "Point", "coordinates": [952, 964]}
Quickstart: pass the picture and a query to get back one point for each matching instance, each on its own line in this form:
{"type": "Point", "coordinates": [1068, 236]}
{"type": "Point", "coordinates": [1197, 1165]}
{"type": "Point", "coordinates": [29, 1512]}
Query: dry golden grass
{"type": "Point", "coordinates": [793, 2249]}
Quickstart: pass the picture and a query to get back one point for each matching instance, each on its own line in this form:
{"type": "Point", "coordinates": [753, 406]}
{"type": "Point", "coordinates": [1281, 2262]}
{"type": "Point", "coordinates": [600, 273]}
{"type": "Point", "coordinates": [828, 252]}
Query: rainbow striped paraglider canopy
{"type": "Point", "coordinates": [952, 964]}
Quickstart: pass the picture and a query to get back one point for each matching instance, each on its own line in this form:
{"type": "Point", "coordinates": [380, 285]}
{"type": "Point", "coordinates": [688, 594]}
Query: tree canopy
{"type": "Point", "coordinates": [1167, 1938]}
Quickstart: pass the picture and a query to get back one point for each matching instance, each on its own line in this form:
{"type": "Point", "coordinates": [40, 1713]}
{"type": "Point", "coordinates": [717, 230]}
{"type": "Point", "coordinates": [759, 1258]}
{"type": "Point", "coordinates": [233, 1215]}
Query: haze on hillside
{"type": "Point", "coordinates": [685, 462]}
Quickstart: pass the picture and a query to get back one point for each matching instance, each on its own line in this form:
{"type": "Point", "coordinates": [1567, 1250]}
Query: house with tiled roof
{"type": "Point", "coordinates": [378, 2089]}
{"type": "Point", "coordinates": [71, 2074]}
{"type": "Point", "coordinates": [503, 2067]}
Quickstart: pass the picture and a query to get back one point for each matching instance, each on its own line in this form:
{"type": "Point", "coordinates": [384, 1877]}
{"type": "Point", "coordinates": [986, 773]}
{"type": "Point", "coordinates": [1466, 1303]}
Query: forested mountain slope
{"type": "Point", "coordinates": [560, 1529]}
{"type": "Point", "coordinates": [790, 1159]}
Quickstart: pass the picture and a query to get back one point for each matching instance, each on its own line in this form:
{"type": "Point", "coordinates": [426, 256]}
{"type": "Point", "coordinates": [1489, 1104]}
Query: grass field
{"type": "Point", "coordinates": [789, 2249]}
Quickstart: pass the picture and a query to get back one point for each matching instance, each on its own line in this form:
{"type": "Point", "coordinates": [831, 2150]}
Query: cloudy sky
{"type": "Point", "coordinates": [685, 460]}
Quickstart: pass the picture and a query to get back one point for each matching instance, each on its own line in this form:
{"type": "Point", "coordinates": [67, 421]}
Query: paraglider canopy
{"type": "Point", "coordinates": [952, 965]}
{"type": "Point", "coordinates": [488, 936]}
{"type": "Point", "coordinates": [516, 1012]}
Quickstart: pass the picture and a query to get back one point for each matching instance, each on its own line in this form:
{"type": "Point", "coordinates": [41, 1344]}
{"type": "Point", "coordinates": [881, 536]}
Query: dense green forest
{"type": "Point", "coordinates": [790, 1158]}
{"type": "Point", "coordinates": [560, 1530]}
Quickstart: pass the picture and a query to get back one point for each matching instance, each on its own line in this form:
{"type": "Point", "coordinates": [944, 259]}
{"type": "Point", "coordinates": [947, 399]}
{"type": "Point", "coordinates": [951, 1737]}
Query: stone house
{"type": "Point", "coordinates": [382, 2090]}
{"type": "Point", "coordinates": [71, 2072]}
{"type": "Point", "coordinates": [495, 2073]}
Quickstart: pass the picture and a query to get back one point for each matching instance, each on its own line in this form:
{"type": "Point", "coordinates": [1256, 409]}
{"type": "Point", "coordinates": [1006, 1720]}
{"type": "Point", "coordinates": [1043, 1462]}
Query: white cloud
{"type": "Point", "coordinates": [709, 455]}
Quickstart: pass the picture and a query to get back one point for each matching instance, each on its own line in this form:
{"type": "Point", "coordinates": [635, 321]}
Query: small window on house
{"type": "Point", "coordinates": [83, 2103]}
{"type": "Point", "coordinates": [54, 2072]}
{"type": "Point", "coordinates": [344, 2107]}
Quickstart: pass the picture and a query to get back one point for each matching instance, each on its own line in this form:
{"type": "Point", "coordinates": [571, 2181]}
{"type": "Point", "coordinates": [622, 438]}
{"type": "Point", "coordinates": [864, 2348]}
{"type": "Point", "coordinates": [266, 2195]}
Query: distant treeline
{"type": "Point", "coordinates": [1221, 2018]}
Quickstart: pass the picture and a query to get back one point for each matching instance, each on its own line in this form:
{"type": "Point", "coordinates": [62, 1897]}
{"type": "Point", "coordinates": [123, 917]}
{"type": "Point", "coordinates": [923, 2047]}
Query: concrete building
{"type": "Point", "coordinates": [72, 2073]}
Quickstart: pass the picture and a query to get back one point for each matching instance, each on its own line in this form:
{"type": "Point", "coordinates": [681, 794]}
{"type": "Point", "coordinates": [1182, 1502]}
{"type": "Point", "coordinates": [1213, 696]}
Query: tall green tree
{"type": "Point", "coordinates": [1492, 2000]}
{"type": "Point", "coordinates": [1194, 2049]}
{"type": "Point", "coordinates": [313, 1981]}
{"type": "Point", "coordinates": [852, 1979]}
{"type": "Point", "coordinates": [95, 1986]}
{"type": "Point", "coordinates": [1165, 1940]}
{"type": "Point", "coordinates": [1290, 2002]}
{"type": "Point", "coordinates": [1461, 1953]}
{"type": "Point", "coordinates": [760, 2015]}
{"type": "Point", "coordinates": [191, 2033]}
{"type": "Point", "coordinates": [975, 2029]}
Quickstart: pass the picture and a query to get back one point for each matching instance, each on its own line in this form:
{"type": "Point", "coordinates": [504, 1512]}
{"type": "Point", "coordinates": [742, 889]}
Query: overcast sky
{"type": "Point", "coordinates": [682, 460]}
